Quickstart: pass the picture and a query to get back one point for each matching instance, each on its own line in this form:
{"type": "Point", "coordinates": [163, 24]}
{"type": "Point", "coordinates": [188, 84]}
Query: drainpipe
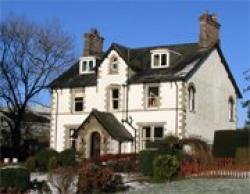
{"type": "Point", "coordinates": [56, 114]}
{"type": "Point", "coordinates": [177, 109]}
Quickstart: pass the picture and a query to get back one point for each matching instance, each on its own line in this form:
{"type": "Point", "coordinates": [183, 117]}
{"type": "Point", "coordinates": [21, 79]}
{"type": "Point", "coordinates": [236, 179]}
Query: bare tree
{"type": "Point", "coordinates": [31, 56]}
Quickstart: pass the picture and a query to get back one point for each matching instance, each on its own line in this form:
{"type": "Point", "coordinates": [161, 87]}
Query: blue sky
{"type": "Point", "coordinates": [147, 23]}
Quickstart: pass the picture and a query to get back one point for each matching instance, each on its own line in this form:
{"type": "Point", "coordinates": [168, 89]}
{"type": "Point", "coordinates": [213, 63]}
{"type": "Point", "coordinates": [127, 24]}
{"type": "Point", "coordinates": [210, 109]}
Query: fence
{"type": "Point", "coordinates": [218, 167]}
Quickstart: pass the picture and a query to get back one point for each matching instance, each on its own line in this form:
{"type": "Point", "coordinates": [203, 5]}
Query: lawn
{"type": "Point", "coordinates": [197, 186]}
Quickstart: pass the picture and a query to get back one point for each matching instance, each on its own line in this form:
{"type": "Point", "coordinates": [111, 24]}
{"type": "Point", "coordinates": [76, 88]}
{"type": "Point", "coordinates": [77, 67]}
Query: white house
{"type": "Point", "coordinates": [116, 101]}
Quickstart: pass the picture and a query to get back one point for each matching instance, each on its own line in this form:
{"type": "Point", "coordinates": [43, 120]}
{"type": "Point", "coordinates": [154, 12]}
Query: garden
{"type": "Point", "coordinates": [171, 165]}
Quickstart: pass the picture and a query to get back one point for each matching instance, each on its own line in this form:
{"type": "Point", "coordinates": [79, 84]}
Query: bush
{"type": "Point", "coordinates": [165, 167]}
{"type": "Point", "coordinates": [52, 163]}
{"type": "Point", "coordinates": [67, 157]}
{"type": "Point", "coordinates": [15, 178]}
{"type": "Point", "coordinates": [30, 163]}
{"type": "Point", "coordinates": [43, 157]}
{"type": "Point", "coordinates": [97, 178]}
{"type": "Point", "coordinates": [243, 156]}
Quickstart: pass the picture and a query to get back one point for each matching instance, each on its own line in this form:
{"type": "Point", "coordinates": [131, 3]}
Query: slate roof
{"type": "Point", "coordinates": [110, 123]}
{"type": "Point", "coordinates": [184, 59]}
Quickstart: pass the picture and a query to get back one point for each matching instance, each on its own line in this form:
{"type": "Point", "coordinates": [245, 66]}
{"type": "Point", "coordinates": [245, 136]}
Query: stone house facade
{"type": "Point", "coordinates": [118, 100]}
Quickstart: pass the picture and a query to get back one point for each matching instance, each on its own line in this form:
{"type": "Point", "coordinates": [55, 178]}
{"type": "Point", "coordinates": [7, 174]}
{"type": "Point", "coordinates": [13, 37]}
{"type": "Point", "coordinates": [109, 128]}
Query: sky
{"type": "Point", "coordinates": [146, 23]}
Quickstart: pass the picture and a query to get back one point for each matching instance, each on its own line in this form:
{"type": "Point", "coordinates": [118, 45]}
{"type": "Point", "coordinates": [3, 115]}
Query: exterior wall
{"type": "Point", "coordinates": [173, 114]}
{"type": "Point", "coordinates": [213, 89]}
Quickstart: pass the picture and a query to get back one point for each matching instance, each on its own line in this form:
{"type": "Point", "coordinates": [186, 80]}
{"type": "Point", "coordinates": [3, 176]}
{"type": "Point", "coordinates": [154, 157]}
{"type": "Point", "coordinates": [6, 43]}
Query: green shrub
{"type": "Point", "coordinates": [67, 157]}
{"type": "Point", "coordinates": [15, 178]}
{"type": "Point", "coordinates": [30, 163]}
{"type": "Point", "coordinates": [43, 157]}
{"type": "Point", "coordinates": [165, 167]}
{"type": "Point", "coordinates": [243, 155]}
{"type": "Point", "coordinates": [52, 163]}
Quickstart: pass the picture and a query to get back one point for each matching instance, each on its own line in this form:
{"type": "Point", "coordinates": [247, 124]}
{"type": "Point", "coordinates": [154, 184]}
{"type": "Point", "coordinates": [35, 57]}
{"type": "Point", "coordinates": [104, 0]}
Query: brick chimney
{"type": "Point", "coordinates": [209, 30]}
{"type": "Point", "coordinates": [93, 43]}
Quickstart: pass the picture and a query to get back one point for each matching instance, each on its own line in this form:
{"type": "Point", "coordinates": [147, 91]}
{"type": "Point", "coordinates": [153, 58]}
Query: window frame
{"type": "Point", "coordinates": [72, 141]}
{"type": "Point", "coordinates": [147, 97]}
{"type": "Point", "coordinates": [111, 65]}
{"type": "Point", "coordinates": [152, 137]}
{"type": "Point", "coordinates": [87, 60]}
{"type": "Point", "coordinates": [160, 53]}
{"type": "Point", "coordinates": [112, 99]}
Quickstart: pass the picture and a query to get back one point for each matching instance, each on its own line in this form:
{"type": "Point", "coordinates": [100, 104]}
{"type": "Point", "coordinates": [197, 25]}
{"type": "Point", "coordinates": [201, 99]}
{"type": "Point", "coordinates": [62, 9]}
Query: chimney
{"type": "Point", "coordinates": [209, 30]}
{"type": "Point", "coordinates": [93, 43]}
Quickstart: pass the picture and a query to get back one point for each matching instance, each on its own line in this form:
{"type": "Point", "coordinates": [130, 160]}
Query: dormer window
{"type": "Point", "coordinates": [159, 58]}
{"type": "Point", "coordinates": [87, 65]}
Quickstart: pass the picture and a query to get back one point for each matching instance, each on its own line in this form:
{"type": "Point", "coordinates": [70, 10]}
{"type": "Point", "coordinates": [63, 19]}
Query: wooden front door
{"type": "Point", "coordinates": [95, 145]}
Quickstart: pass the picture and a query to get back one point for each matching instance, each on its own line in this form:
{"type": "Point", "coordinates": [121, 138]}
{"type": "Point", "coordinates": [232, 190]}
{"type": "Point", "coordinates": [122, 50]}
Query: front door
{"type": "Point", "coordinates": [95, 145]}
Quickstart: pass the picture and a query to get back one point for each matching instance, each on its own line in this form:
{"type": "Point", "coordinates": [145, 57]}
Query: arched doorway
{"type": "Point", "coordinates": [95, 145]}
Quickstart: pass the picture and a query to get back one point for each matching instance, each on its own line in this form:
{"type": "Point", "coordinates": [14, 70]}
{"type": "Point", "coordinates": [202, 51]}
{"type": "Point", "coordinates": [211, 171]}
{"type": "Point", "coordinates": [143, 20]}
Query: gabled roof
{"type": "Point", "coordinates": [110, 123]}
{"type": "Point", "coordinates": [184, 61]}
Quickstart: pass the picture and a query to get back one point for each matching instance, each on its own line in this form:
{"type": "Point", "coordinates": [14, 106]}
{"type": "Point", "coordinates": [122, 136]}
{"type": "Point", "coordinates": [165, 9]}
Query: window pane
{"type": "Point", "coordinates": [84, 66]}
{"type": "Point", "coordinates": [78, 104]}
{"type": "Point", "coordinates": [163, 59]}
{"type": "Point", "coordinates": [146, 132]}
{"type": "Point", "coordinates": [153, 91]}
{"type": "Point", "coordinates": [91, 65]}
{"type": "Point", "coordinates": [158, 133]}
{"type": "Point", "coordinates": [115, 93]}
{"type": "Point", "coordinates": [156, 60]}
{"type": "Point", "coordinates": [115, 104]}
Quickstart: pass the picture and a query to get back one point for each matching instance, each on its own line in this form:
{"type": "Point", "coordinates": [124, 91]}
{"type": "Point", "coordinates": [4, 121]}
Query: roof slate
{"type": "Point", "coordinates": [110, 123]}
{"type": "Point", "coordinates": [184, 58]}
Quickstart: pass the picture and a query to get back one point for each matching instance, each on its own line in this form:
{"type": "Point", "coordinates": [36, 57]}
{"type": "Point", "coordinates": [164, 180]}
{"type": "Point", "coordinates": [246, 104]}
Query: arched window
{"type": "Point", "coordinates": [191, 97]}
{"type": "Point", "coordinates": [113, 68]}
{"type": "Point", "coordinates": [231, 108]}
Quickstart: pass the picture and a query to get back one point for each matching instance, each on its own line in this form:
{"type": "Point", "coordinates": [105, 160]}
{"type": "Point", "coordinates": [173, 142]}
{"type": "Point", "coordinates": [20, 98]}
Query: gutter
{"type": "Point", "coordinates": [177, 108]}
{"type": "Point", "coordinates": [56, 114]}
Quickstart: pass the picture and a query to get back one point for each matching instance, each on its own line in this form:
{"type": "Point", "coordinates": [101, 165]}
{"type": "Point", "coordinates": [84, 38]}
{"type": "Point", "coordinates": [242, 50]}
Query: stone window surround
{"type": "Point", "coordinates": [146, 96]}
{"type": "Point", "coordinates": [67, 135]}
{"type": "Point", "coordinates": [112, 61]}
{"type": "Point", "coordinates": [75, 93]}
{"type": "Point", "coordinates": [108, 97]}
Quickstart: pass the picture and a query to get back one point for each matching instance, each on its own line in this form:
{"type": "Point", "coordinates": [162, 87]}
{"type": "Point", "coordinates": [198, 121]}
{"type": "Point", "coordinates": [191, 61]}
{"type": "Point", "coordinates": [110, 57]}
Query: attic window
{"type": "Point", "coordinates": [159, 58]}
{"type": "Point", "coordinates": [87, 65]}
{"type": "Point", "coordinates": [113, 69]}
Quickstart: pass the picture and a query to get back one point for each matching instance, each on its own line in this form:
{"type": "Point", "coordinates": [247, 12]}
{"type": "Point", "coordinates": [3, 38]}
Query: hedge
{"type": "Point", "coordinates": [146, 159]}
{"type": "Point", "coordinates": [67, 157]}
{"type": "Point", "coordinates": [17, 177]}
{"type": "Point", "coordinates": [43, 157]}
{"type": "Point", "coordinates": [242, 156]}
{"type": "Point", "coordinates": [226, 142]}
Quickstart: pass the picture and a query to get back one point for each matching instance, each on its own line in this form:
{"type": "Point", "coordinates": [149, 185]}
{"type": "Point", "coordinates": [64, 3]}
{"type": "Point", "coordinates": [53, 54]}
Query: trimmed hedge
{"type": "Point", "coordinates": [15, 178]}
{"type": "Point", "coordinates": [242, 156]}
{"type": "Point", "coordinates": [226, 142]}
{"type": "Point", "coordinates": [67, 157]}
{"type": "Point", "coordinates": [146, 159]}
{"type": "Point", "coordinates": [43, 157]}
